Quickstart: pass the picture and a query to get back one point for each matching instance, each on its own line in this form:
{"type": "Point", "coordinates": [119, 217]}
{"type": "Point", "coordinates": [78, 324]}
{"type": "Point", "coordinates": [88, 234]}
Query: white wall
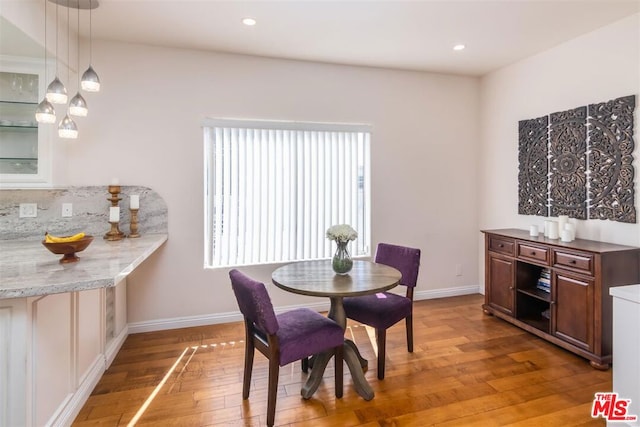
{"type": "Point", "coordinates": [144, 128]}
{"type": "Point", "coordinates": [596, 67]}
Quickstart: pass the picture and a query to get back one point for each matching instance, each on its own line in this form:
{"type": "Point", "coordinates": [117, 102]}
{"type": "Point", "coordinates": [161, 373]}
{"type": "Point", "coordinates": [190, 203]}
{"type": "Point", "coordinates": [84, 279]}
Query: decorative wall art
{"type": "Point", "coordinates": [568, 163]}
{"type": "Point", "coordinates": [611, 145]}
{"type": "Point", "coordinates": [534, 167]}
{"type": "Point", "coordinates": [569, 155]}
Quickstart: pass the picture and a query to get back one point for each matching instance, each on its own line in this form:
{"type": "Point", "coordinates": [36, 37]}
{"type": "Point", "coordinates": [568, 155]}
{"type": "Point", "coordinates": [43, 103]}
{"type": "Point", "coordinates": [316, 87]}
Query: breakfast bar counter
{"type": "Point", "coordinates": [61, 325]}
{"type": "Point", "coordinates": [28, 269]}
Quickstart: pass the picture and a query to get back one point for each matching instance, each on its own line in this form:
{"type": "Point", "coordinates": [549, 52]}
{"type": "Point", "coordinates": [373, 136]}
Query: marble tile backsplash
{"type": "Point", "coordinates": [90, 212]}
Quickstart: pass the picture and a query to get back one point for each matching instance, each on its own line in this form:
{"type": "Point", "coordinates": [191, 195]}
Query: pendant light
{"type": "Point", "coordinates": [78, 106]}
{"type": "Point", "coordinates": [90, 80]}
{"type": "Point", "coordinates": [67, 127]}
{"type": "Point", "coordinates": [45, 113]}
{"type": "Point", "coordinates": [56, 92]}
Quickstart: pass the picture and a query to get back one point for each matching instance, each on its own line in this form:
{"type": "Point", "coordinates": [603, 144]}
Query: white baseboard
{"type": "Point", "coordinates": [235, 316]}
{"type": "Point", "coordinates": [209, 319]}
{"type": "Point", "coordinates": [72, 407]}
{"type": "Point", "coordinates": [447, 292]}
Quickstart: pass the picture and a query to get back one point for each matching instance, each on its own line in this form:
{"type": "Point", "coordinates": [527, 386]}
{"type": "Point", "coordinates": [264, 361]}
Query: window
{"type": "Point", "coordinates": [273, 188]}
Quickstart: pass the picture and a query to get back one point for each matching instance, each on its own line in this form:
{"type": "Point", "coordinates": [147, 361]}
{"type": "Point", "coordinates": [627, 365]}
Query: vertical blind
{"type": "Point", "coordinates": [273, 188]}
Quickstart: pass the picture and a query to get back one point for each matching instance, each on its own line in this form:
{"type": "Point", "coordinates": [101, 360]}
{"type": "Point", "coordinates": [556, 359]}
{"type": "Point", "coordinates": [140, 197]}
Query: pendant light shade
{"type": "Point", "coordinates": [78, 106]}
{"type": "Point", "coordinates": [56, 92]}
{"type": "Point", "coordinates": [67, 128]}
{"type": "Point", "coordinates": [45, 113]}
{"type": "Point", "coordinates": [90, 81]}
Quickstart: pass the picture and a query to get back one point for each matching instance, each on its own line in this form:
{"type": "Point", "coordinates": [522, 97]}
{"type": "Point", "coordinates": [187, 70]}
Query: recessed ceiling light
{"type": "Point", "coordinates": [249, 22]}
{"type": "Point", "coordinates": [459, 47]}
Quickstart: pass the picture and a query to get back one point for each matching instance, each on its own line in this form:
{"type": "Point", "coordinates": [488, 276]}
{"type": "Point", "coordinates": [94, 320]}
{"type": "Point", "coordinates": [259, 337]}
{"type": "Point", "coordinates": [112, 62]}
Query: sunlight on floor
{"type": "Point", "coordinates": [155, 391]}
{"type": "Point", "coordinates": [371, 334]}
{"type": "Point", "coordinates": [190, 352]}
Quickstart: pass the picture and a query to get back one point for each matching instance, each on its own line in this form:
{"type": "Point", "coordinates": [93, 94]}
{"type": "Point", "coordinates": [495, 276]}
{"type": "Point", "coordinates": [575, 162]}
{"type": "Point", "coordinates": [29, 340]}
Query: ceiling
{"type": "Point", "coordinates": [411, 35]}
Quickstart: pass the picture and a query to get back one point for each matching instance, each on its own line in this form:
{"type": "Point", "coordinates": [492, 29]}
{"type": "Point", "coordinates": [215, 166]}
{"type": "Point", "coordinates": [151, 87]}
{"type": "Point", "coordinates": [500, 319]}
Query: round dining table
{"type": "Point", "coordinates": [317, 278]}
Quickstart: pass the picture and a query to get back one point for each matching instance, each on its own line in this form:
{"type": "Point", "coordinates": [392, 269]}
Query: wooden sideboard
{"type": "Point", "coordinates": [576, 313]}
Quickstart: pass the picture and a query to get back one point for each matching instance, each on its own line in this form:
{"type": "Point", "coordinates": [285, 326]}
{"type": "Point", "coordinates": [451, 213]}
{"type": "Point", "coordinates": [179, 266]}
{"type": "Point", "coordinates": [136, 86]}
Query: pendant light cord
{"type": "Point", "coordinates": [68, 48]}
{"type": "Point", "coordinates": [56, 39]}
{"type": "Point", "coordinates": [45, 41]}
{"type": "Point", "coordinates": [78, 50]}
{"type": "Point", "coordinates": [90, 33]}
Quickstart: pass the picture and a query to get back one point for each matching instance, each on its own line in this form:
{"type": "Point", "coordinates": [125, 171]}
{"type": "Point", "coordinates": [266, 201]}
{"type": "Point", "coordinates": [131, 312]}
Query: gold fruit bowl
{"type": "Point", "coordinates": [68, 249]}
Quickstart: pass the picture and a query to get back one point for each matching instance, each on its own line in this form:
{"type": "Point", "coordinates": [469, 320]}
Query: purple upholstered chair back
{"type": "Point", "coordinates": [254, 302]}
{"type": "Point", "coordinates": [406, 260]}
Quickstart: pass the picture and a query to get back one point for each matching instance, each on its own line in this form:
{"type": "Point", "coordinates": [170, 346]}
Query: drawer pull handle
{"type": "Point", "coordinates": [533, 253]}
{"type": "Point", "coordinates": [501, 245]}
{"type": "Point", "coordinates": [573, 261]}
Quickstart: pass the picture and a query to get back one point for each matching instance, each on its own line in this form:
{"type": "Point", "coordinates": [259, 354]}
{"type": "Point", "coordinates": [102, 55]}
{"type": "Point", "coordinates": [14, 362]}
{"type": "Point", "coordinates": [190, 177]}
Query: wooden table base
{"type": "Point", "coordinates": [356, 364]}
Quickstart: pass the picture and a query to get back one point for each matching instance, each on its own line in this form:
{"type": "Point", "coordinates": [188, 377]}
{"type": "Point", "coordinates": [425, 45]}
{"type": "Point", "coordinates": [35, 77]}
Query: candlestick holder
{"type": "Point", "coordinates": [114, 190]}
{"type": "Point", "coordinates": [134, 224]}
{"type": "Point", "coordinates": [114, 233]}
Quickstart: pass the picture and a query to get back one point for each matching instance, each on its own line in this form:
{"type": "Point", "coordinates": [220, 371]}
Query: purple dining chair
{"type": "Point", "coordinates": [383, 310]}
{"type": "Point", "coordinates": [282, 338]}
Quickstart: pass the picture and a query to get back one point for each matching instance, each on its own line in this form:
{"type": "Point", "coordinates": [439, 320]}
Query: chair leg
{"type": "Point", "coordinates": [274, 371]}
{"type": "Point", "coordinates": [305, 365]}
{"type": "Point", "coordinates": [409, 323]}
{"type": "Point", "coordinates": [338, 359]}
{"type": "Point", "coordinates": [381, 338]}
{"type": "Point", "coordinates": [249, 351]}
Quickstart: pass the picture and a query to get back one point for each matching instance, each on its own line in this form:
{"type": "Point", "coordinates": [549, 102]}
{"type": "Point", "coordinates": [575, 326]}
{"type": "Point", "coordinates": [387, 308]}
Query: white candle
{"type": "Point", "coordinates": [114, 214]}
{"type": "Point", "coordinates": [134, 201]}
{"type": "Point", "coordinates": [533, 230]}
{"type": "Point", "coordinates": [562, 220]}
{"type": "Point", "coordinates": [566, 236]}
{"type": "Point", "coordinates": [554, 232]}
{"type": "Point", "coordinates": [115, 181]}
{"type": "Point", "coordinates": [571, 229]}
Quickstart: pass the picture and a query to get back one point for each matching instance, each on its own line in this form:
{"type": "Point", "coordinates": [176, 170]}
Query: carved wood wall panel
{"type": "Point", "coordinates": [554, 182]}
{"type": "Point", "coordinates": [534, 167]}
{"type": "Point", "coordinates": [567, 163]}
{"type": "Point", "coordinates": [611, 146]}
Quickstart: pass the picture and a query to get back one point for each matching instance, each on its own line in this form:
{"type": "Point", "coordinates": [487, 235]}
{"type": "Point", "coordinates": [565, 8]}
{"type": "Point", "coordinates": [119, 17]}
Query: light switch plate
{"type": "Point", "coordinates": [67, 210]}
{"type": "Point", "coordinates": [28, 210]}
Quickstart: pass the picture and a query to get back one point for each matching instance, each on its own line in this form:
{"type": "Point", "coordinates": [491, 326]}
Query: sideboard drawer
{"type": "Point", "coordinates": [533, 252]}
{"type": "Point", "coordinates": [574, 261]}
{"type": "Point", "coordinates": [501, 245]}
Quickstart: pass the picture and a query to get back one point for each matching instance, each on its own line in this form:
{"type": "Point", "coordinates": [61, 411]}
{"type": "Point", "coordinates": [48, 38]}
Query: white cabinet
{"type": "Point", "coordinates": [53, 351]}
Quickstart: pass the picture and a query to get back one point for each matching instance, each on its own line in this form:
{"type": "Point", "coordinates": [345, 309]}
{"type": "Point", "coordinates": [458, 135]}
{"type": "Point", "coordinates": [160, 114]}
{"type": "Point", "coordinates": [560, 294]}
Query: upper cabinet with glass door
{"type": "Point", "coordinates": [24, 144]}
{"type": "Point", "coordinates": [18, 126]}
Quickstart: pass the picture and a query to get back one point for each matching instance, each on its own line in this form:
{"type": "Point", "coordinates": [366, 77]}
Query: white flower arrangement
{"type": "Point", "coordinates": [341, 233]}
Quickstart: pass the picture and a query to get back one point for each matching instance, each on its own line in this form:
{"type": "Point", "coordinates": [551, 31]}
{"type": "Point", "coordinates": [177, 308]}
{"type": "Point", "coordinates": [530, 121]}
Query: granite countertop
{"type": "Point", "coordinates": [28, 269]}
{"type": "Point", "coordinates": [629, 292]}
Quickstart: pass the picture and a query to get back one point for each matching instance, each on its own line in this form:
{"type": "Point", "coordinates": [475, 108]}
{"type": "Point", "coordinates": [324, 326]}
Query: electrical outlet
{"type": "Point", "coordinates": [458, 269]}
{"type": "Point", "coordinates": [67, 210]}
{"type": "Point", "coordinates": [28, 210]}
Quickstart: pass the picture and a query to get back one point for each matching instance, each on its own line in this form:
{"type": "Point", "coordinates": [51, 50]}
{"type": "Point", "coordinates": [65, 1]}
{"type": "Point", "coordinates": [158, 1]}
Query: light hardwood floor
{"type": "Point", "coordinates": [467, 369]}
